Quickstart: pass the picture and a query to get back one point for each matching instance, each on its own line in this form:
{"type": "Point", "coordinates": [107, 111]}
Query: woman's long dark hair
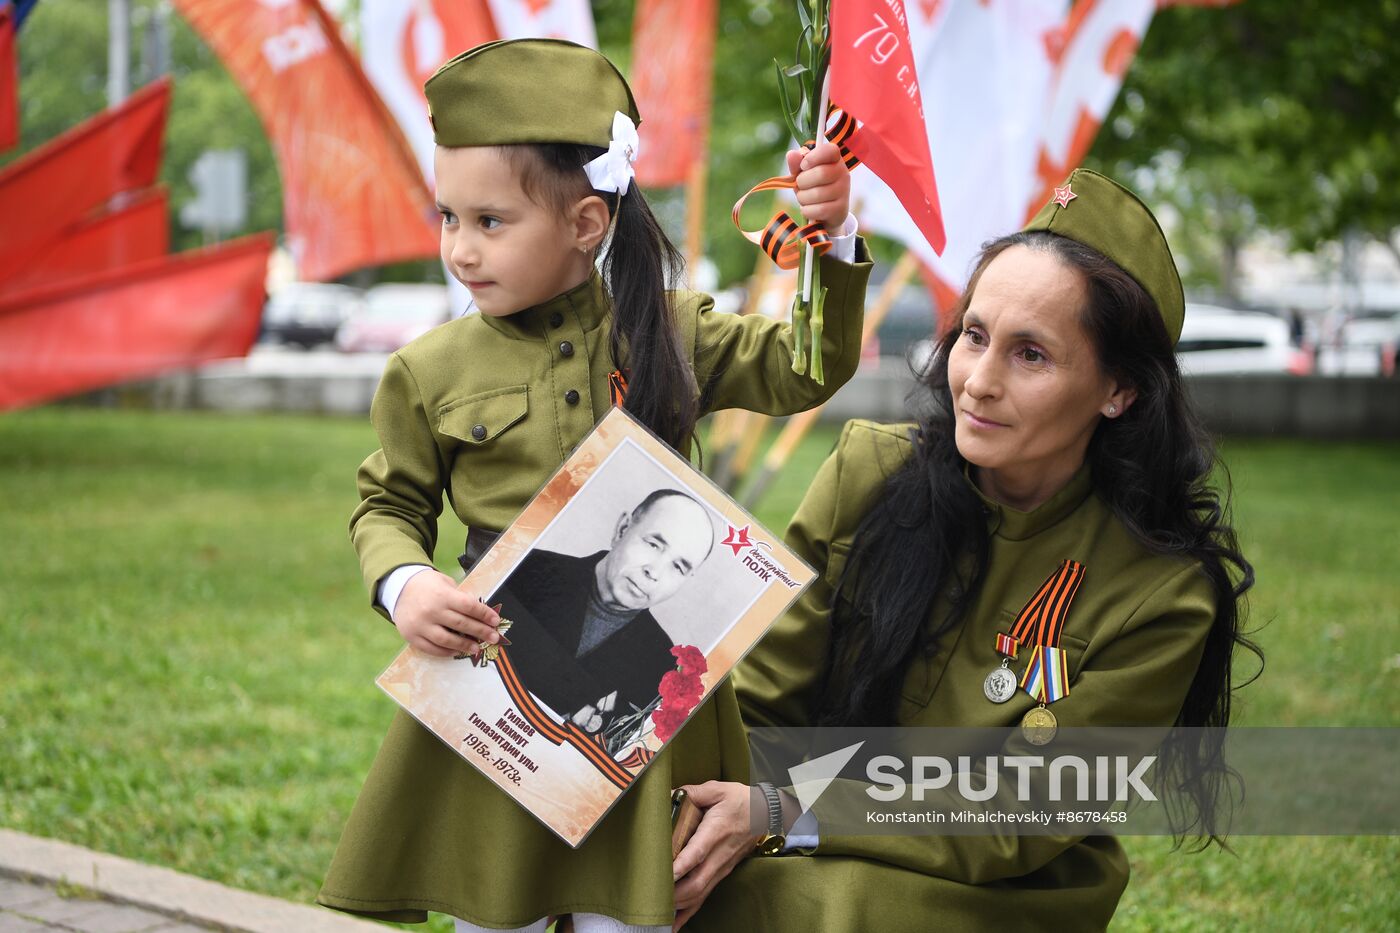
{"type": "Point", "coordinates": [926, 534]}
{"type": "Point", "coordinates": [661, 388]}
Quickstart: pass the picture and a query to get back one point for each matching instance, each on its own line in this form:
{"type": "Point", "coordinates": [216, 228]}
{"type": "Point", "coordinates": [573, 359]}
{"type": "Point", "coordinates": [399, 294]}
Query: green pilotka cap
{"type": "Point", "coordinates": [527, 91]}
{"type": "Point", "coordinates": [1092, 209]}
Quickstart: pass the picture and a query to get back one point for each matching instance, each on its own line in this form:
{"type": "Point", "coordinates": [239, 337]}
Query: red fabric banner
{"type": "Point", "coordinates": [9, 80]}
{"type": "Point", "coordinates": [133, 232]}
{"type": "Point", "coordinates": [673, 44]}
{"type": "Point", "coordinates": [50, 189]}
{"type": "Point", "coordinates": [873, 79]}
{"type": "Point", "coordinates": [353, 195]}
{"type": "Point", "coordinates": [132, 323]}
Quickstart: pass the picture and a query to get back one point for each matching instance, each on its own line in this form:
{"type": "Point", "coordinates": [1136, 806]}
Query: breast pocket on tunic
{"type": "Point", "coordinates": [492, 445]}
{"type": "Point", "coordinates": [1073, 646]}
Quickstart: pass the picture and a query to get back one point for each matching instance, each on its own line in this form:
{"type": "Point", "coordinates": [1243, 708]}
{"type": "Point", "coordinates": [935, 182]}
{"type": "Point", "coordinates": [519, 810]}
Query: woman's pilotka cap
{"type": "Point", "coordinates": [527, 91]}
{"type": "Point", "coordinates": [1103, 215]}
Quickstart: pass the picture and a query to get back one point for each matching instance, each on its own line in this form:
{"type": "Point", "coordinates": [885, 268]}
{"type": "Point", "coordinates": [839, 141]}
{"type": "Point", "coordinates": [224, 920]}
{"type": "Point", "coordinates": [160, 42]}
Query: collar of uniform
{"type": "Point", "coordinates": [1015, 525]}
{"type": "Point", "coordinates": [584, 305]}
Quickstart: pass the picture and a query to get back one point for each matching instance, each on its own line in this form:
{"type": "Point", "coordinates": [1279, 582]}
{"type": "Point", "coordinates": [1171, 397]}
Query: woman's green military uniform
{"type": "Point", "coordinates": [484, 409]}
{"type": "Point", "coordinates": [1133, 639]}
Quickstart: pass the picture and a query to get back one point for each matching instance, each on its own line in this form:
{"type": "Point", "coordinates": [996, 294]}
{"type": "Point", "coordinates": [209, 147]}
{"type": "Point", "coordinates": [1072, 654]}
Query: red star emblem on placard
{"type": "Point", "coordinates": [1063, 195]}
{"type": "Point", "coordinates": [738, 539]}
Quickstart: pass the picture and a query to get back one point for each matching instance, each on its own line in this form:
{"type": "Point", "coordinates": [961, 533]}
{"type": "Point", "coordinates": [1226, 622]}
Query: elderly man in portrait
{"type": "Point", "coordinates": [584, 641]}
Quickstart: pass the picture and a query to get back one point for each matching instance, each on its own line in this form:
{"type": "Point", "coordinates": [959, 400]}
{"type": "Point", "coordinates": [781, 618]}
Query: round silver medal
{"type": "Point", "coordinates": [1000, 685]}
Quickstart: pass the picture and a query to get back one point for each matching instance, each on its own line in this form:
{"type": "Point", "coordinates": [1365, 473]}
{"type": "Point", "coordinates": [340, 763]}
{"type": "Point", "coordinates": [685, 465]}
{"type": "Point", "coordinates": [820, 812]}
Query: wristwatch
{"type": "Point", "coordinates": [774, 841]}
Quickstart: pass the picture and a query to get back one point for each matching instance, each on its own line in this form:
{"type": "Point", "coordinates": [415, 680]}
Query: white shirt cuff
{"type": "Point", "coordinates": [843, 244]}
{"type": "Point", "coordinates": [804, 833]}
{"type": "Point", "coordinates": [391, 587]}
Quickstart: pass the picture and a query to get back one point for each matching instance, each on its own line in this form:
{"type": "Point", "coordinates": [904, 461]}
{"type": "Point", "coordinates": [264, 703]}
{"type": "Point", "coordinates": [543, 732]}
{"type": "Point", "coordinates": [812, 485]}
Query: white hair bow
{"type": "Point", "coordinates": [613, 170]}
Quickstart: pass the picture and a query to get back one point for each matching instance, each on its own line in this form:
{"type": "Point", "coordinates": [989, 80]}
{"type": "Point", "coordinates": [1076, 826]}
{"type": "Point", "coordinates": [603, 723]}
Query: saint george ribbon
{"type": "Point", "coordinates": [556, 733]}
{"type": "Point", "coordinates": [1040, 623]}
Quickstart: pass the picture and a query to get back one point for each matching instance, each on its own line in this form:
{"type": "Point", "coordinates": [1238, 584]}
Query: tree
{"type": "Point", "coordinates": [1278, 115]}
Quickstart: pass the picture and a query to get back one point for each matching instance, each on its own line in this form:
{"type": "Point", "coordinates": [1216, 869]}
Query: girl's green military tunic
{"type": "Point", "coordinates": [484, 409]}
{"type": "Point", "coordinates": [1133, 639]}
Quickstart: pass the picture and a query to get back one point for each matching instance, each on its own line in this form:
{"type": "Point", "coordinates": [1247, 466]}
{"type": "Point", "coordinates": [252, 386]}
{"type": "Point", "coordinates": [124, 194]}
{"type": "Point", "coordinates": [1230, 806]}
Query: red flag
{"type": "Point", "coordinates": [50, 189]}
{"type": "Point", "coordinates": [673, 44]}
{"type": "Point", "coordinates": [9, 79]}
{"type": "Point", "coordinates": [873, 79]}
{"type": "Point", "coordinates": [353, 193]}
{"type": "Point", "coordinates": [109, 239]}
{"type": "Point", "coordinates": [132, 322]}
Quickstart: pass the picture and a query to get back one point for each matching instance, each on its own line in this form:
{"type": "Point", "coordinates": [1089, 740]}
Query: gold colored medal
{"type": "Point", "coordinates": [1039, 725]}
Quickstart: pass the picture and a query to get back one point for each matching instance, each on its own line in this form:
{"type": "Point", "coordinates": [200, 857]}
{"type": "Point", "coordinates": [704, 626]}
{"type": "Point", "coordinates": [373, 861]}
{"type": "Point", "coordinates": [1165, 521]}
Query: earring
{"type": "Point", "coordinates": [584, 248]}
{"type": "Point", "coordinates": [1112, 410]}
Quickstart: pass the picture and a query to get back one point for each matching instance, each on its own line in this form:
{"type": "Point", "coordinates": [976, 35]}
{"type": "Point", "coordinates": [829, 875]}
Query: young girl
{"type": "Point", "coordinates": [536, 140]}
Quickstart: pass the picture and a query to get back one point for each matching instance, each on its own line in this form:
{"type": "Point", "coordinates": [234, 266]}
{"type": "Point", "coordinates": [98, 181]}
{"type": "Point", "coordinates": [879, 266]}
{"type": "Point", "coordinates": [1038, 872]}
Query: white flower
{"type": "Point", "coordinates": [613, 170]}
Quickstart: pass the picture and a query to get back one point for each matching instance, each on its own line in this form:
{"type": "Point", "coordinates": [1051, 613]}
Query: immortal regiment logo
{"type": "Point", "coordinates": [933, 781]}
{"type": "Point", "coordinates": [763, 566]}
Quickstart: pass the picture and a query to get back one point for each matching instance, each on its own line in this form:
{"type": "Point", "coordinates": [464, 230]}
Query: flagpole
{"type": "Point", "coordinates": [118, 51]}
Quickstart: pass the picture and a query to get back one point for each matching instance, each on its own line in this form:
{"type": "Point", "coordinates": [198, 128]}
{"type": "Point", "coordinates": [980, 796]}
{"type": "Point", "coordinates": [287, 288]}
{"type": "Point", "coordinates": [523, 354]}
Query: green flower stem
{"type": "Point", "coordinates": [818, 322]}
{"type": "Point", "coordinates": [799, 334]}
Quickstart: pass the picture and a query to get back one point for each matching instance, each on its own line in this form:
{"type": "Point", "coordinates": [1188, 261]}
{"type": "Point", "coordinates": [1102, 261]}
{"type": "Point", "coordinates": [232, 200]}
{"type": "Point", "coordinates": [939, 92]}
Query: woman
{"type": "Point", "coordinates": [1058, 430]}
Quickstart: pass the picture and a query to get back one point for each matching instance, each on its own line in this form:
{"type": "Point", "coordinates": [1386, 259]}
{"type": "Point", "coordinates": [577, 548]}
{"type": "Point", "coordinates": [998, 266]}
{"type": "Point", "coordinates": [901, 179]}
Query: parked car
{"type": "Point", "coordinates": [1219, 340]}
{"type": "Point", "coordinates": [392, 316]}
{"type": "Point", "coordinates": [1367, 346]}
{"type": "Point", "coordinates": [308, 313]}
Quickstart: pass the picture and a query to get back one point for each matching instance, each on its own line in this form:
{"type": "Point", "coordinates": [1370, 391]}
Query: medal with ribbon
{"type": "Point", "coordinates": [1046, 677]}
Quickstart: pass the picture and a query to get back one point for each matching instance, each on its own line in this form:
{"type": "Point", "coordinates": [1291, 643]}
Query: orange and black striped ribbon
{"type": "Point", "coordinates": [535, 716]}
{"type": "Point", "coordinates": [783, 238]}
{"type": "Point", "coordinates": [617, 387]}
{"type": "Point", "coordinates": [840, 131]}
{"type": "Point", "coordinates": [591, 746]}
{"type": "Point", "coordinates": [1042, 619]}
{"type": "Point", "coordinates": [639, 756]}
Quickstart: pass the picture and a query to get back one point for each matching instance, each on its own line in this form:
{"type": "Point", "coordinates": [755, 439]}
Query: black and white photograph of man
{"type": "Point", "coordinates": [588, 639]}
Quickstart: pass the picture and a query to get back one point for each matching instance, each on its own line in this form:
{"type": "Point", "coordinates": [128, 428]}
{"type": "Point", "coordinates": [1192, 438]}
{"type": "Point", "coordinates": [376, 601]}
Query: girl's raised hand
{"type": "Point", "coordinates": [435, 617]}
{"type": "Point", "coordinates": [823, 185]}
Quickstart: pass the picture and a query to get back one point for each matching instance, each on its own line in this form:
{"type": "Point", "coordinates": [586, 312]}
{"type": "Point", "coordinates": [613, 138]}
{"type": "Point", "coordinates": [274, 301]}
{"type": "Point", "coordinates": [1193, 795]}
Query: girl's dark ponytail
{"type": "Point", "coordinates": [639, 262]}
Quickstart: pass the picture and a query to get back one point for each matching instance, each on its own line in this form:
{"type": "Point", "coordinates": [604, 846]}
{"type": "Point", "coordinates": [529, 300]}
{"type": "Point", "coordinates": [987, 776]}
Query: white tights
{"type": "Point", "coordinates": [583, 923]}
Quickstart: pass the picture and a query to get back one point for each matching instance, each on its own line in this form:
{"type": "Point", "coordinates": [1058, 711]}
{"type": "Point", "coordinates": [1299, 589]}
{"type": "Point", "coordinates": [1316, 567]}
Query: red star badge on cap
{"type": "Point", "coordinates": [1063, 196]}
{"type": "Point", "coordinates": [738, 539]}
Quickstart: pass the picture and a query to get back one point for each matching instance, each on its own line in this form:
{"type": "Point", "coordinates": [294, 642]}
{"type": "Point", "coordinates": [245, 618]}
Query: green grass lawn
{"type": "Point", "coordinates": [187, 664]}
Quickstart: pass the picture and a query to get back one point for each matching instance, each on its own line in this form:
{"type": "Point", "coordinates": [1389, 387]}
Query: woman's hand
{"type": "Point", "coordinates": [823, 185]}
{"type": "Point", "coordinates": [722, 840]}
{"type": "Point", "coordinates": [436, 618]}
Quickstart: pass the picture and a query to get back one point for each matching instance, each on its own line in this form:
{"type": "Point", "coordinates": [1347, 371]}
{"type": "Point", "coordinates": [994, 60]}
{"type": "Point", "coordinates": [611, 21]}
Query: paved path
{"type": "Point", "coordinates": [50, 886]}
{"type": "Point", "coordinates": [26, 907]}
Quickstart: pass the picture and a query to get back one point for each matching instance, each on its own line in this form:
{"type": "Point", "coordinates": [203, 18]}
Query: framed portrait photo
{"type": "Point", "coordinates": [628, 588]}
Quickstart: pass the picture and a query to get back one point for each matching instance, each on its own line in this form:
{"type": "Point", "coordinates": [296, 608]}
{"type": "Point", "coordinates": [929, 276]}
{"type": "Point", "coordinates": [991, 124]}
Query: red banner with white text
{"type": "Point", "coordinates": [353, 195]}
{"type": "Point", "coordinates": [673, 48]}
{"type": "Point", "coordinates": [874, 80]}
{"type": "Point", "coordinates": [54, 187]}
{"type": "Point", "coordinates": [131, 323]}
{"type": "Point", "coordinates": [402, 44]}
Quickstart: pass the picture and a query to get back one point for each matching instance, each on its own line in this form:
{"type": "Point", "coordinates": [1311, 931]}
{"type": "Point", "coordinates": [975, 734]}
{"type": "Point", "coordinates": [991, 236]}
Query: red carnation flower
{"type": "Point", "coordinates": [680, 690]}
